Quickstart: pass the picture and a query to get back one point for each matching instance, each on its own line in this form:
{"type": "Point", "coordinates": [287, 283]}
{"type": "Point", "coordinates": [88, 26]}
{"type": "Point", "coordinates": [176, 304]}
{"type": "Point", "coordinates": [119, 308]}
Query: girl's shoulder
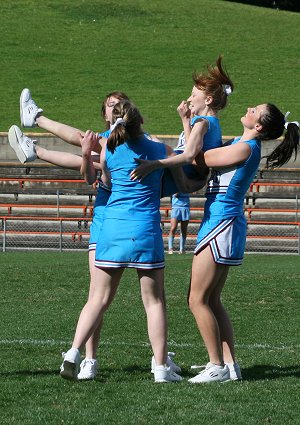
{"type": "Point", "coordinates": [209, 118]}
{"type": "Point", "coordinates": [250, 142]}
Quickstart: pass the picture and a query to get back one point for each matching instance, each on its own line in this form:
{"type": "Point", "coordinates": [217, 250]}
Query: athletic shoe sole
{"type": "Point", "coordinates": [21, 107]}
{"type": "Point", "coordinates": [84, 378]}
{"type": "Point", "coordinates": [14, 134]}
{"type": "Point", "coordinates": [68, 371]}
{"type": "Point", "coordinates": [167, 381]}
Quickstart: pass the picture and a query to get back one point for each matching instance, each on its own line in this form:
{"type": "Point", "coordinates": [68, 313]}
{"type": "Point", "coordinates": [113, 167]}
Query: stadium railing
{"type": "Point", "coordinates": [271, 206]}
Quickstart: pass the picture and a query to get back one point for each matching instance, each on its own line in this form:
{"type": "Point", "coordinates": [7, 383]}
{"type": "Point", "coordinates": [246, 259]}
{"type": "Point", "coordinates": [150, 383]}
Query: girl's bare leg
{"type": "Point", "coordinates": [106, 285]}
{"type": "Point", "coordinates": [65, 132]}
{"type": "Point", "coordinates": [152, 290]}
{"type": "Point", "coordinates": [183, 228]}
{"type": "Point", "coordinates": [62, 159]}
{"type": "Point", "coordinates": [183, 235]}
{"type": "Point", "coordinates": [173, 228]}
{"type": "Point", "coordinates": [93, 342]}
{"type": "Point", "coordinates": [205, 277]}
{"type": "Point", "coordinates": [223, 319]}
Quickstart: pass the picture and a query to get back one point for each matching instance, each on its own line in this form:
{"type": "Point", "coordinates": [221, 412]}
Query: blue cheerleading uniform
{"type": "Point", "coordinates": [181, 207]}
{"type": "Point", "coordinates": [103, 194]}
{"type": "Point", "coordinates": [212, 139]}
{"type": "Point", "coordinates": [224, 226]}
{"type": "Point", "coordinates": [131, 235]}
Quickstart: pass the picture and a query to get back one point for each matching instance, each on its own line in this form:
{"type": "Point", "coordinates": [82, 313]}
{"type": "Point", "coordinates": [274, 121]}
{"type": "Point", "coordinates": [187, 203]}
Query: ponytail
{"type": "Point", "coordinates": [117, 137]}
{"type": "Point", "coordinates": [284, 151]}
{"type": "Point", "coordinates": [127, 124]}
{"type": "Point", "coordinates": [273, 126]}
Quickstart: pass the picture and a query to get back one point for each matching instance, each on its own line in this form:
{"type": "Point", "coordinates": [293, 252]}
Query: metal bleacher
{"type": "Point", "coordinates": [44, 207]}
{"type": "Point", "coordinates": [48, 207]}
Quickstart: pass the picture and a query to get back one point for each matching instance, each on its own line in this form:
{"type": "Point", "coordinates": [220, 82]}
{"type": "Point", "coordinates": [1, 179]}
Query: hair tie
{"type": "Point", "coordinates": [227, 89]}
{"type": "Point", "coordinates": [289, 122]}
{"type": "Point", "coordinates": [119, 121]}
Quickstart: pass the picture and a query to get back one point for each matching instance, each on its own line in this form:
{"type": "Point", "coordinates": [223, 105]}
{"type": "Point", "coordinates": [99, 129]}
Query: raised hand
{"type": "Point", "coordinates": [90, 142]}
{"type": "Point", "coordinates": [184, 110]}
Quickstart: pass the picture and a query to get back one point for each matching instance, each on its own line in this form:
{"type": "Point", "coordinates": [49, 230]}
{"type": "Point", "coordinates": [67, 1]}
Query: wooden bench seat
{"type": "Point", "coordinates": [87, 210]}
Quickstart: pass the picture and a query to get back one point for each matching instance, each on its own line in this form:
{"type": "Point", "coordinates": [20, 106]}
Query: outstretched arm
{"type": "Point", "coordinates": [226, 156]}
{"type": "Point", "coordinates": [183, 183]}
{"type": "Point", "coordinates": [194, 146]}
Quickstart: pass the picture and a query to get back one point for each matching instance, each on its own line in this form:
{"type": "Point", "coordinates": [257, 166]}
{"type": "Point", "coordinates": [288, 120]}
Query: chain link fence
{"type": "Point", "coordinates": [65, 227]}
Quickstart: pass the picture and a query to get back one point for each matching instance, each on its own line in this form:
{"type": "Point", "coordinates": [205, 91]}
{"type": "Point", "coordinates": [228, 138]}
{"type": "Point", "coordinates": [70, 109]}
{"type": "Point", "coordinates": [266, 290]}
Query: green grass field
{"type": "Point", "coordinates": [41, 297]}
{"type": "Point", "coordinates": [70, 53]}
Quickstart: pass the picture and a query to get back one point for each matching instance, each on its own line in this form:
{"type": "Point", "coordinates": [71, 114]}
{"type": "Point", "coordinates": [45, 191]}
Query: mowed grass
{"type": "Point", "coordinates": [71, 53]}
{"type": "Point", "coordinates": [42, 295]}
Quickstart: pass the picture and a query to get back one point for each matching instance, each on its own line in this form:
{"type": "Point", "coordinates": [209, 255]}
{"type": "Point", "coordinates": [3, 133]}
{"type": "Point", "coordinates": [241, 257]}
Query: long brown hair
{"type": "Point", "coordinates": [130, 129]}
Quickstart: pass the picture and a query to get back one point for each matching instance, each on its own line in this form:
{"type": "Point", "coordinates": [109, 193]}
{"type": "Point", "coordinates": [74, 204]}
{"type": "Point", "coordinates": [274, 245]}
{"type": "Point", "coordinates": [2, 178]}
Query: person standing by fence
{"type": "Point", "coordinates": [180, 213]}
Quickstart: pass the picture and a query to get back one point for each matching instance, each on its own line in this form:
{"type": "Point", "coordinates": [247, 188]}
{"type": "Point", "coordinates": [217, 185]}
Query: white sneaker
{"type": "Point", "coordinates": [170, 251]}
{"type": "Point", "coordinates": [235, 371]}
{"type": "Point", "coordinates": [28, 109]}
{"type": "Point", "coordinates": [88, 369]}
{"type": "Point", "coordinates": [170, 363]}
{"type": "Point", "coordinates": [21, 144]}
{"type": "Point", "coordinates": [212, 373]}
{"type": "Point", "coordinates": [70, 364]}
{"type": "Point", "coordinates": [165, 374]}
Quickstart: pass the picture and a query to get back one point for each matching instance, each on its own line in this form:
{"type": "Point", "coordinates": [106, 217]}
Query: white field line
{"type": "Point", "coordinates": [52, 342]}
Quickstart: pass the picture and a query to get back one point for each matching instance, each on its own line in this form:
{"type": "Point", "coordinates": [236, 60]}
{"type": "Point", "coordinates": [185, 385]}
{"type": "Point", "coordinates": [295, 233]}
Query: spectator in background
{"type": "Point", "coordinates": [180, 209]}
{"type": "Point", "coordinates": [180, 214]}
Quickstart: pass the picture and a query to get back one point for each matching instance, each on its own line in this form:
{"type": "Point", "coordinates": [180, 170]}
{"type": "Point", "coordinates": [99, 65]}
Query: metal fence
{"type": "Point", "coordinates": [271, 228]}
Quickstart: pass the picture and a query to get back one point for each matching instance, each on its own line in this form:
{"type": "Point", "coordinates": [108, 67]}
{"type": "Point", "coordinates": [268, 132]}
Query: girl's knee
{"type": "Point", "coordinates": [194, 302]}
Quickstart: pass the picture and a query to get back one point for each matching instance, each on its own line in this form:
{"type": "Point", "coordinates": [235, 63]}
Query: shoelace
{"type": "Point", "coordinates": [85, 362]}
{"type": "Point", "coordinates": [195, 366]}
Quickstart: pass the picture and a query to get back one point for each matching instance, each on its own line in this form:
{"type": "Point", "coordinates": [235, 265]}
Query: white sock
{"type": "Point", "coordinates": [72, 355]}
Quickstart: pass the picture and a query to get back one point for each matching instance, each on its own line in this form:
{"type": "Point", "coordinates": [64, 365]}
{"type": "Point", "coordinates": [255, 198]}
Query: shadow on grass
{"type": "Point", "coordinates": [18, 373]}
{"type": "Point", "coordinates": [254, 373]}
{"type": "Point", "coordinates": [111, 373]}
{"type": "Point", "coordinates": [267, 372]}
